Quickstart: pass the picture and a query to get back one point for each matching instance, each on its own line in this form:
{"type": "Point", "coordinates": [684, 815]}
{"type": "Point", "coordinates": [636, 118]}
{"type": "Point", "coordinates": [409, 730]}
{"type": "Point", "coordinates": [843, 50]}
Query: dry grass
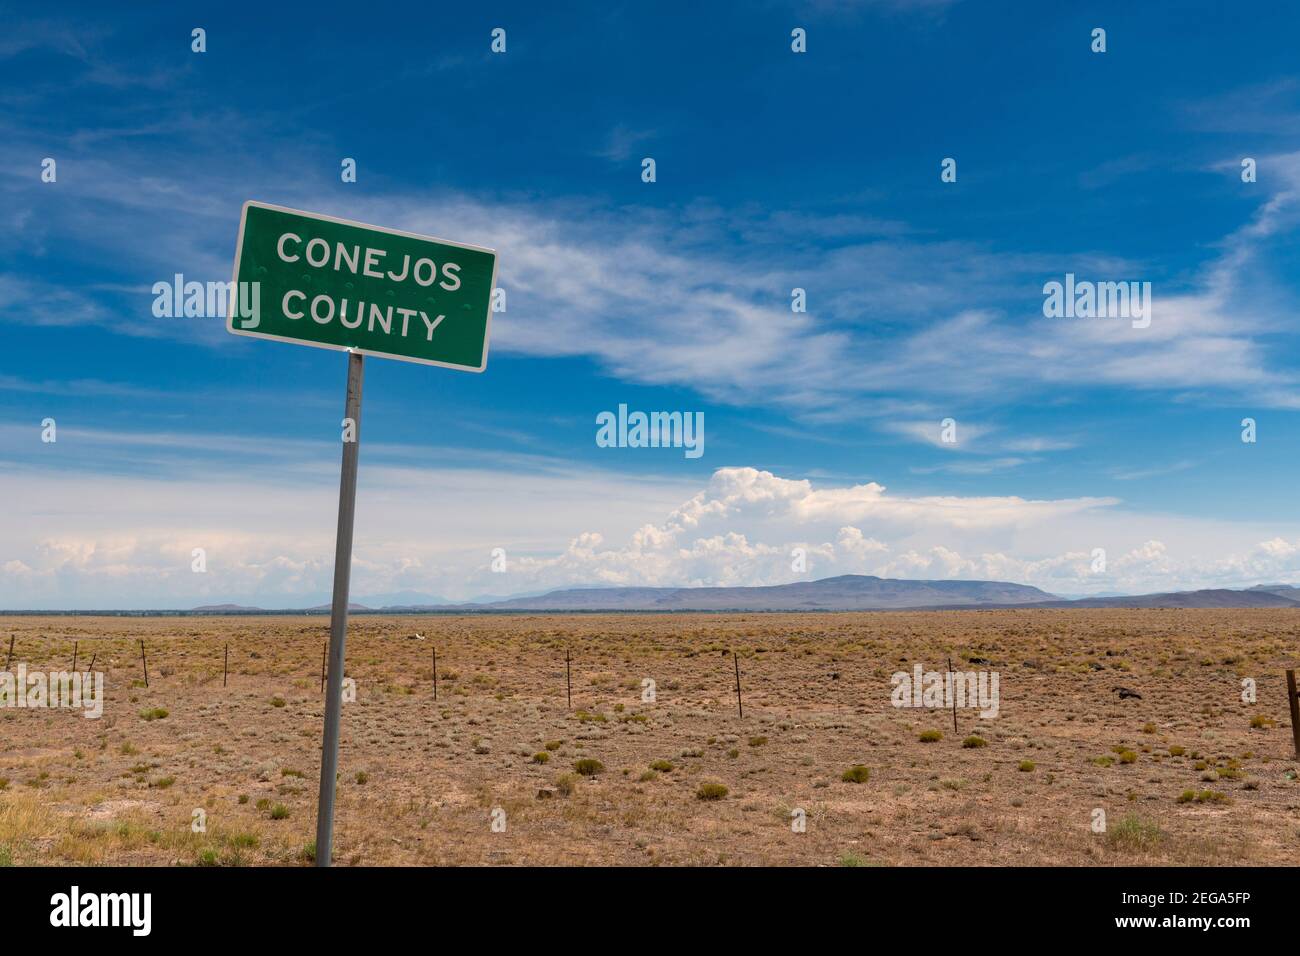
{"type": "Point", "coordinates": [419, 780]}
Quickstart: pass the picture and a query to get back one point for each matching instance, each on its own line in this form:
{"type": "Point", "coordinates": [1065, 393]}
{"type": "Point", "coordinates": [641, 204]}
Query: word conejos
{"type": "Point", "coordinates": [341, 257]}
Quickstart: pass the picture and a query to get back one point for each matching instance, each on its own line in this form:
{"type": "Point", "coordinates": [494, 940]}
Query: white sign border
{"type": "Point", "coordinates": [234, 298]}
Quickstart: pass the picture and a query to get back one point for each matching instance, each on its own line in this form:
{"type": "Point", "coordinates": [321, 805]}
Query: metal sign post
{"type": "Point", "coordinates": [332, 283]}
{"type": "Point", "coordinates": [329, 756]}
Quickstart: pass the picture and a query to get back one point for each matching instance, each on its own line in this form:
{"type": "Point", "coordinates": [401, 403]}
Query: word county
{"type": "Point", "coordinates": [340, 257]}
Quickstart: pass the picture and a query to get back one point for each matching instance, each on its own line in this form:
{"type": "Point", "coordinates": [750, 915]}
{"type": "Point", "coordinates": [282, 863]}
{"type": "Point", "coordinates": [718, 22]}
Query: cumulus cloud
{"type": "Point", "coordinates": [127, 543]}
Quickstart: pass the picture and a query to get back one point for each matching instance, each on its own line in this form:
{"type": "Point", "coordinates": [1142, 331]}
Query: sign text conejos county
{"type": "Point", "coordinates": [346, 285]}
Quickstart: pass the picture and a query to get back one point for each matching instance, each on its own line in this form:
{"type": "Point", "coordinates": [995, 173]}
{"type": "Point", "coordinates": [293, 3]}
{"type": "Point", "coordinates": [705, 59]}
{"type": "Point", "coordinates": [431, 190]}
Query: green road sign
{"type": "Point", "coordinates": [317, 280]}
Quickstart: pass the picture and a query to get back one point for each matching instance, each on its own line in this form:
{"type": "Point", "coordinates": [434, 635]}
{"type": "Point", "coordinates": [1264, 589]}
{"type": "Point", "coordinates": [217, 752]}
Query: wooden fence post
{"type": "Point", "coordinates": [952, 680]}
{"type": "Point", "coordinates": [1295, 710]}
{"type": "Point", "coordinates": [740, 704]}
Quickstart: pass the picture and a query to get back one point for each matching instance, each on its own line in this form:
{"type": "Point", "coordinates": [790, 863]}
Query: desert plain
{"type": "Point", "coordinates": [501, 770]}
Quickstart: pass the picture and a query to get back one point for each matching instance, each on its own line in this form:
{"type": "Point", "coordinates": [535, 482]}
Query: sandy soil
{"type": "Point", "coordinates": [421, 782]}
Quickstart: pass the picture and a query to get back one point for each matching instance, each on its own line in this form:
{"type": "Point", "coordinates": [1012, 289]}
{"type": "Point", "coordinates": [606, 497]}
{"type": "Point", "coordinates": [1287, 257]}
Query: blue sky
{"type": "Point", "coordinates": [775, 170]}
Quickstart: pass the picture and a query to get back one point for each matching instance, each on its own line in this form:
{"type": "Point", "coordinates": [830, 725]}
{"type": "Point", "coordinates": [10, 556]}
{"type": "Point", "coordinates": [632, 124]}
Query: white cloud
{"type": "Point", "coordinates": [112, 541]}
{"type": "Point", "coordinates": [104, 540]}
{"type": "Point", "coordinates": [698, 297]}
{"type": "Point", "coordinates": [967, 434]}
{"type": "Point", "coordinates": [1138, 474]}
{"type": "Point", "coordinates": [622, 141]}
{"type": "Point", "coordinates": [1037, 444]}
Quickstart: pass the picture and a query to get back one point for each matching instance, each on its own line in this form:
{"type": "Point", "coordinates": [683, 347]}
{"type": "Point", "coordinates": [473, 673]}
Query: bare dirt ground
{"type": "Point", "coordinates": [1181, 774]}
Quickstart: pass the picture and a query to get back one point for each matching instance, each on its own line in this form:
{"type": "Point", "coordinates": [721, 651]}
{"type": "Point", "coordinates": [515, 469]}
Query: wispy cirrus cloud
{"type": "Point", "coordinates": [1138, 474]}
{"type": "Point", "coordinates": [708, 307]}
{"type": "Point", "coordinates": [622, 141]}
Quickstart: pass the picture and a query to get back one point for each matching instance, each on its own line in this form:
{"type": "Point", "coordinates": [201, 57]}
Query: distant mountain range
{"type": "Point", "coordinates": [847, 592]}
{"type": "Point", "coordinates": [1209, 598]}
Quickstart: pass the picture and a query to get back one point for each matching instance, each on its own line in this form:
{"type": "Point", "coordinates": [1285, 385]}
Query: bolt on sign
{"type": "Point", "coordinates": [346, 285]}
{"type": "Point", "coordinates": [366, 290]}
